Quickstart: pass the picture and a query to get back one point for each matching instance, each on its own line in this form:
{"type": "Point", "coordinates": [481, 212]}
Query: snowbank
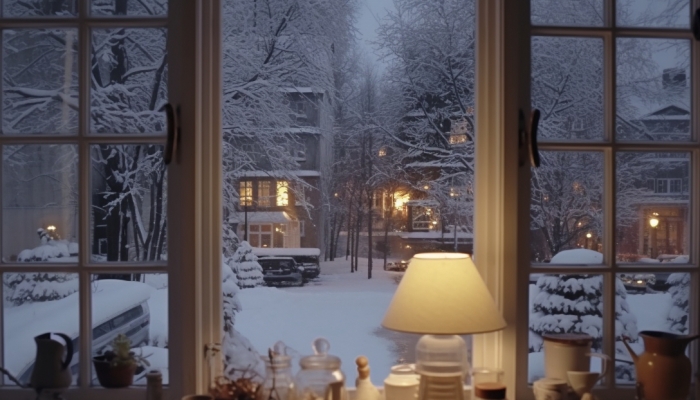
{"type": "Point", "coordinates": [577, 256]}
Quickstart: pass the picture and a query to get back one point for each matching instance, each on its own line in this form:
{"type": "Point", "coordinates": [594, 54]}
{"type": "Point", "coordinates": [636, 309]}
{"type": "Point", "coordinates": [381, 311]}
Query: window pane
{"type": "Point", "coordinates": [654, 13]}
{"type": "Point", "coordinates": [129, 7]}
{"type": "Point", "coordinates": [34, 304]}
{"type": "Point", "coordinates": [129, 203]}
{"type": "Point", "coordinates": [134, 305]}
{"type": "Point", "coordinates": [655, 301]}
{"type": "Point", "coordinates": [653, 207]}
{"type": "Point", "coordinates": [40, 211]}
{"type": "Point", "coordinates": [653, 89]}
{"type": "Point", "coordinates": [39, 8]}
{"type": "Point", "coordinates": [570, 12]}
{"type": "Point", "coordinates": [40, 81]}
{"type": "Point", "coordinates": [565, 304]}
{"type": "Point", "coordinates": [567, 86]}
{"type": "Point", "coordinates": [567, 208]}
{"type": "Point", "coordinates": [129, 81]}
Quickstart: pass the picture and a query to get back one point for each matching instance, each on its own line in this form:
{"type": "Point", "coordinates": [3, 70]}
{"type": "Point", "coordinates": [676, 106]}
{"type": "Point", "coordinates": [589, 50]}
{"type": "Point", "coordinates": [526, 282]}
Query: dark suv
{"type": "Point", "coordinates": [281, 271]}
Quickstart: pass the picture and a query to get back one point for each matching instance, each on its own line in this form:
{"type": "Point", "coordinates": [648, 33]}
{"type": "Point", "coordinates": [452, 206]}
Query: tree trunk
{"type": "Point", "coordinates": [387, 223]}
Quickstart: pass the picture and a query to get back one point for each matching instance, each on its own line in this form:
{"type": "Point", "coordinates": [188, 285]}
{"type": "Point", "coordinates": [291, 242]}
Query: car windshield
{"type": "Point", "coordinates": [275, 264]}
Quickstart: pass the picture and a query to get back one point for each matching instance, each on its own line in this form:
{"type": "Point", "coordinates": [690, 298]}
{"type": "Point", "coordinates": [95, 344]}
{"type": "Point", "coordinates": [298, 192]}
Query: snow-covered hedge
{"type": "Point", "coordinates": [245, 265]}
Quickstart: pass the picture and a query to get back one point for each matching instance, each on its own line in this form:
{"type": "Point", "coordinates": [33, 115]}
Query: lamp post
{"type": "Point", "coordinates": [588, 238]}
{"type": "Point", "coordinates": [653, 222]}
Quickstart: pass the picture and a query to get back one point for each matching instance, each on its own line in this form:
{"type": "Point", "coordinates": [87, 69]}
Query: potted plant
{"type": "Point", "coordinates": [116, 367]}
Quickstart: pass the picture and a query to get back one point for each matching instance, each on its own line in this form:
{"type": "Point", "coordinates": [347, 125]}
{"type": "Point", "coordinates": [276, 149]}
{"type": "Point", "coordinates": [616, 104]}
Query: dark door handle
{"type": "Point", "coordinates": [696, 24]}
{"type": "Point", "coordinates": [173, 139]}
{"type": "Point", "coordinates": [528, 137]}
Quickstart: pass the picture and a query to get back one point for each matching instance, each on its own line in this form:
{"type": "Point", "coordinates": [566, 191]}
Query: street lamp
{"type": "Point", "coordinates": [588, 238]}
{"type": "Point", "coordinates": [653, 222]}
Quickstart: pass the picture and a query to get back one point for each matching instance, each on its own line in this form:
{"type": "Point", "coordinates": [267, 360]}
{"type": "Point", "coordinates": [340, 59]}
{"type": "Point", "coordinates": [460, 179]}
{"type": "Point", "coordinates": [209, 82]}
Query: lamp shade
{"type": "Point", "coordinates": [443, 294]}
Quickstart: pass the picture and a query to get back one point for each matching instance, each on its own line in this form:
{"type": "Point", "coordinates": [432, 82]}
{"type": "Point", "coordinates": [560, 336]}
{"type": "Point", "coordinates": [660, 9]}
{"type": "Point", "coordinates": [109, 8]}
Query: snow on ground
{"type": "Point", "coordinates": [158, 307]}
{"type": "Point", "coordinates": [345, 308]}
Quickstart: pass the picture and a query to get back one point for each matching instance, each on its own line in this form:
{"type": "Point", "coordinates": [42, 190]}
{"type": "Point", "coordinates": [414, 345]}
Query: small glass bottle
{"type": "Point", "coordinates": [279, 383]}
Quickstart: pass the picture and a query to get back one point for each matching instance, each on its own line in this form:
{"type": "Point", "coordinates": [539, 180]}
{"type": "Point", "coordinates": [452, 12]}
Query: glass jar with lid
{"type": "Point", "coordinates": [278, 384]}
{"type": "Point", "coordinates": [320, 377]}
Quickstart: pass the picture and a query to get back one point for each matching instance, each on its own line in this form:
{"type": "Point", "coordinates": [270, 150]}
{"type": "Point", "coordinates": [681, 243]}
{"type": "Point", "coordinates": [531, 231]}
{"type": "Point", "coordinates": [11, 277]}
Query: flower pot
{"type": "Point", "coordinates": [113, 376]}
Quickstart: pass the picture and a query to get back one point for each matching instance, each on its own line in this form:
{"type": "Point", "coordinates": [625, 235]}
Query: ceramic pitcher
{"type": "Point", "coordinates": [51, 370]}
{"type": "Point", "coordinates": [663, 370]}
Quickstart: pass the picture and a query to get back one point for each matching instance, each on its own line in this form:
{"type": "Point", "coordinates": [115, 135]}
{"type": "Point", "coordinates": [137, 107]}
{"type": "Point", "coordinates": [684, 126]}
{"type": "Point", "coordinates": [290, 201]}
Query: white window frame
{"type": "Point", "coordinates": [194, 236]}
{"type": "Point", "coordinates": [503, 195]}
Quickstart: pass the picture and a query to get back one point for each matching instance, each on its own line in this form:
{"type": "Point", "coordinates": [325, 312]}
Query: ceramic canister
{"type": "Point", "coordinates": [566, 352]}
{"type": "Point", "coordinates": [402, 383]}
{"type": "Point", "coordinates": [550, 389]}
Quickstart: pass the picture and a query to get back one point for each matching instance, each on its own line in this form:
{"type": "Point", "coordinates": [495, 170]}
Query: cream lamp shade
{"type": "Point", "coordinates": [443, 294]}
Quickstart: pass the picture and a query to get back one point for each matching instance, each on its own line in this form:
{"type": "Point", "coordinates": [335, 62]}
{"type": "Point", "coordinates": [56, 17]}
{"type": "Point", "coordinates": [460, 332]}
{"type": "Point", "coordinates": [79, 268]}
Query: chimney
{"type": "Point", "coordinates": [673, 78]}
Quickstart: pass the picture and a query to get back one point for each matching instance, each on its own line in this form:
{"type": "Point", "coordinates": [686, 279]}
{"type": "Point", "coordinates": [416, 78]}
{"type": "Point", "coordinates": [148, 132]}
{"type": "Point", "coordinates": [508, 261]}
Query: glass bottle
{"type": "Point", "coordinates": [320, 377]}
{"type": "Point", "coordinates": [278, 384]}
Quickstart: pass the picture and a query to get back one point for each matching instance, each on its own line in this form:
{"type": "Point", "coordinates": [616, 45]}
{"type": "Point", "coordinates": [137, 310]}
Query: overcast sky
{"type": "Point", "coordinates": [370, 13]}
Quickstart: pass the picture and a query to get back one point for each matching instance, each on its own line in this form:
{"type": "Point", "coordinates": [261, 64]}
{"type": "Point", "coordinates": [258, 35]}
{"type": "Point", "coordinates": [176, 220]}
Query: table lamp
{"type": "Point", "coordinates": [442, 295]}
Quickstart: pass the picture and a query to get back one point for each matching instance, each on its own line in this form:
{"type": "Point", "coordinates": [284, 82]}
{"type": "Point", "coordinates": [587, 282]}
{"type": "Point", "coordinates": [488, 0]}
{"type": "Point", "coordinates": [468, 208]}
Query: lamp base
{"type": "Point", "coordinates": [440, 388]}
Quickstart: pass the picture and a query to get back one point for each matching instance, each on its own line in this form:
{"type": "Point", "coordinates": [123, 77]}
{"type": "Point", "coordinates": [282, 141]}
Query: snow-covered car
{"type": "Point", "coordinates": [638, 282]}
{"type": "Point", "coordinates": [281, 271]}
{"type": "Point", "coordinates": [396, 265]}
{"type": "Point", "coordinates": [307, 258]}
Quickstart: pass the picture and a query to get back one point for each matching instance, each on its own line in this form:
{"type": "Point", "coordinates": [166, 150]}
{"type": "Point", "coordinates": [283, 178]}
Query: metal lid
{"type": "Point", "coordinates": [576, 339]}
{"type": "Point", "coordinates": [321, 359]}
{"type": "Point", "coordinates": [490, 391]}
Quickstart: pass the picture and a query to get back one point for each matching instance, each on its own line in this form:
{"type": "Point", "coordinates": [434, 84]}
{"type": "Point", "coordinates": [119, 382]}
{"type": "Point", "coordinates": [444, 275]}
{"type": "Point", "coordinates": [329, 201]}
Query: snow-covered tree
{"type": "Point", "coordinates": [21, 288]}
{"type": "Point", "coordinates": [244, 265]}
{"type": "Point", "coordinates": [680, 294]}
{"type": "Point", "coordinates": [574, 304]}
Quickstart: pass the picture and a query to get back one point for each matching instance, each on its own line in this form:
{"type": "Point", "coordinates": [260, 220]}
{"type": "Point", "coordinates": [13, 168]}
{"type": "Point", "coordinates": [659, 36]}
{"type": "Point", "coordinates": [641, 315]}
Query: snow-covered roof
{"type": "Point", "coordinates": [302, 173]}
{"type": "Point", "coordinates": [272, 217]}
{"type": "Point", "coordinates": [578, 257]}
{"type": "Point", "coordinates": [436, 235]}
{"type": "Point", "coordinates": [292, 251]}
{"type": "Point", "coordinates": [109, 299]}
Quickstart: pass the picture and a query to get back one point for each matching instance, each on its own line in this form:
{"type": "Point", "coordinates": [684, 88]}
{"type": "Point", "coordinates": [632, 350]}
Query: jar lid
{"type": "Point", "coordinates": [490, 391]}
{"type": "Point", "coordinates": [321, 359]}
{"type": "Point", "coordinates": [576, 339]}
{"type": "Point", "coordinates": [550, 383]}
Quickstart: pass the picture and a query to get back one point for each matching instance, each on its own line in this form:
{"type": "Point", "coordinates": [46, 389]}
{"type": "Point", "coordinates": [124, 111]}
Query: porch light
{"type": "Point", "coordinates": [653, 222]}
{"type": "Point", "coordinates": [51, 228]}
{"type": "Point", "coordinates": [588, 235]}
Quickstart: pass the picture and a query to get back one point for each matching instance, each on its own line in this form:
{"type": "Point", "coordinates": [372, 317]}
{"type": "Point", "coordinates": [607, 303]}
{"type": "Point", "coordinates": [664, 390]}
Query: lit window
{"type": "Point", "coordinates": [246, 193]}
{"type": "Point", "coordinates": [458, 139]}
{"type": "Point", "coordinates": [264, 194]}
{"type": "Point", "coordinates": [382, 152]}
{"type": "Point", "coordinates": [282, 193]}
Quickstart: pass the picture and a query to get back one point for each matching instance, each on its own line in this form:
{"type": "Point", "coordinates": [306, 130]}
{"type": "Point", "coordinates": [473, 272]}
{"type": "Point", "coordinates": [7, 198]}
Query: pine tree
{"type": "Point", "coordinates": [245, 265]}
{"type": "Point", "coordinates": [21, 288]}
{"type": "Point", "coordinates": [680, 294]}
{"type": "Point", "coordinates": [574, 304]}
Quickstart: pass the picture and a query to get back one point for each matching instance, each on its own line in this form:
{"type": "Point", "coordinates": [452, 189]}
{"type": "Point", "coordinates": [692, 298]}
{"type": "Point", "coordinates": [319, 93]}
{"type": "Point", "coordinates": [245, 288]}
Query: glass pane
{"type": "Point", "coordinates": [40, 81]}
{"type": "Point", "coordinates": [653, 207]}
{"type": "Point", "coordinates": [39, 200]}
{"type": "Point", "coordinates": [34, 304]}
{"type": "Point", "coordinates": [653, 89]}
{"type": "Point", "coordinates": [129, 202]}
{"type": "Point", "coordinates": [134, 305]}
{"type": "Point", "coordinates": [129, 81]}
{"type": "Point", "coordinates": [567, 87]}
{"type": "Point", "coordinates": [39, 8]}
{"type": "Point", "coordinates": [570, 12]}
{"type": "Point", "coordinates": [654, 13]}
{"type": "Point", "coordinates": [655, 301]}
{"type": "Point", "coordinates": [567, 208]}
{"type": "Point", "coordinates": [129, 7]}
{"type": "Point", "coordinates": [564, 304]}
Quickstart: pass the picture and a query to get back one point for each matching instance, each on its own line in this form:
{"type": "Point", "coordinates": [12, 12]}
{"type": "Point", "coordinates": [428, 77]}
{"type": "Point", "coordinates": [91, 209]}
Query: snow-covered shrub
{"type": "Point", "coordinates": [245, 265]}
{"type": "Point", "coordinates": [574, 304]}
{"type": "Point", "coordinates": [21, 288]}
{"type": "Point", "coordinates": [680, 293]}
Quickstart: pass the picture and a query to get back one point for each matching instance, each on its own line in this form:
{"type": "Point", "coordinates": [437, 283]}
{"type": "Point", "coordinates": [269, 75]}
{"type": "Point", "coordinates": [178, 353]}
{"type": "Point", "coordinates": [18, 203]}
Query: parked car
{"type": "Point", "coordinates": [281, 271]}
{"type": "Point", "coordinates": [396, 265]}
{"type": "Point", "coordinates": [638, 282]}
{"type": "Point", "coordinates": [307, 258]}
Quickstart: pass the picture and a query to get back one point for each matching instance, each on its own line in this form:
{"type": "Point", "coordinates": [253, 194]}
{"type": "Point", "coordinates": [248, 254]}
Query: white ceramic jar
{"type": "Point", "coordinates": [550, 389]}
{"type": "Point", "coordinates": [568, 352]}
{"type": "Point", "coordinates": [402, 383]}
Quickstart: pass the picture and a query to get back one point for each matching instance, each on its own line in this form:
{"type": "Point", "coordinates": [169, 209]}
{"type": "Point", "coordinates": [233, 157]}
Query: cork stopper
{"type": "Point", "coordinates": [362, 367]}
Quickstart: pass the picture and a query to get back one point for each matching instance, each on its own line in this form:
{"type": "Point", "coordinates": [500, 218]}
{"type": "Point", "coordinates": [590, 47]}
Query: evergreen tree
{"type": "Point", "coordinates": [21, 288]}
{"type": "Point", "coordinates": [245, 265]}
{"type": "Point", "coordinates": [680, 294]}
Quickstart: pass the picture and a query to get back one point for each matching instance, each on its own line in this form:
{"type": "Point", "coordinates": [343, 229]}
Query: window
{"type": "Point", "coordinates": [608, 212]}
{"type": "Point", "coordinates": [265, 196]}
{"type": "Point", "coordinates": [282, 194]}
{"type": "Point", "coordinates": [246, 193]}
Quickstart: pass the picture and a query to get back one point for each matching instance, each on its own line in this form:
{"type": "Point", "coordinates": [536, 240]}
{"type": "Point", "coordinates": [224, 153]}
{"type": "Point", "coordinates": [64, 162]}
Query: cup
{"type": "Point", "coordinates": [197, 397]}
{"type": "Point", "coordinates": [583, 382]}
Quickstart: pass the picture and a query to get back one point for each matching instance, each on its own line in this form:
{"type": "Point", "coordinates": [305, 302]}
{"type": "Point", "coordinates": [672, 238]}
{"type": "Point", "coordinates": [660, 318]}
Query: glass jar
{"type": "Point", "coordinates": [490, 391]}
{"type": "Point", "coordinates": [278, 384]}
{"type": "Point", "coordinates": [320, 377]}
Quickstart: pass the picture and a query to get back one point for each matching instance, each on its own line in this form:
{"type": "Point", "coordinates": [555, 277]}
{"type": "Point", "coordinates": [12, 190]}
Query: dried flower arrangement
{"type": "Point", "coordinates": [243, 388]}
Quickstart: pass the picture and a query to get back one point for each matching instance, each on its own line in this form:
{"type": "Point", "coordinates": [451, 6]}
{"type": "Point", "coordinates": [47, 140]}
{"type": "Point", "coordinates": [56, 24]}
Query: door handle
{"type": "Point", "coordinates": [696, 24]}
{"type": "Point", "coordinates": [528, 137]}
{"type": "Point", "coordinates": [173, 134]}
